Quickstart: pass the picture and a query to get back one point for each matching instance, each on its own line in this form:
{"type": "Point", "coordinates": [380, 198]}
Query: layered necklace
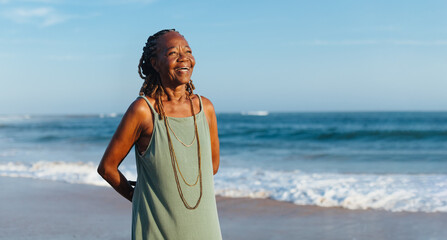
{"type": "Point", "coordinates": [174, 161]}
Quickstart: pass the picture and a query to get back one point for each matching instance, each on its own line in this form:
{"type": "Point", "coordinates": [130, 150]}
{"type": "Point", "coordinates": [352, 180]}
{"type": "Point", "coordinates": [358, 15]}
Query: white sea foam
{"type": "Point", "coordinates": [256, 113]}
{"type": "Point", "coordinates": [415, 193]}
{"type": "Point", "coordinates": [392, 192]}
{"type": "Point", "coordinates": [71, 172]}
{"type": "Point", "coordinates": [110, 115]}
{"type": "Point", "coordinates": [14, 118]}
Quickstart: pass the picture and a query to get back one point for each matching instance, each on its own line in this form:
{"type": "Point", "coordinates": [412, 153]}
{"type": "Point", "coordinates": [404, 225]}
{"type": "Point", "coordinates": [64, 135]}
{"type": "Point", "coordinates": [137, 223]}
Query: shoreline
{"type": "Point", "coordinates": [44, 209]}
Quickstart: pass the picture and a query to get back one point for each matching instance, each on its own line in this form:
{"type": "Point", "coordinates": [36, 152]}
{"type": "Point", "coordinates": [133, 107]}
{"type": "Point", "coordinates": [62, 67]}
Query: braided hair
{"type": "Point", "coordinates": [152, 85]}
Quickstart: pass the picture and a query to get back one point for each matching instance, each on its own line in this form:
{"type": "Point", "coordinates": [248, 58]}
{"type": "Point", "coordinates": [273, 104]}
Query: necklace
{"type": "Point", "coordinates": [175, 164]}
{"type": "Point", "coordinates": [175, 157]}
{"type": "Point", "coordinates": [178, 139]}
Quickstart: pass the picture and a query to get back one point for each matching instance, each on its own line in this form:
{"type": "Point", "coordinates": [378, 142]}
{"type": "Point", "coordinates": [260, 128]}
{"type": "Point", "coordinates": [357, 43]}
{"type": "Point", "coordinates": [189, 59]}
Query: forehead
{"type": "Point", "coordinates": [171, 39]}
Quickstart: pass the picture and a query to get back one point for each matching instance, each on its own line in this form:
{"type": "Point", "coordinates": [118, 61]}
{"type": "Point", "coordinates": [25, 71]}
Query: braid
{"type": "Point", "coordinates": [152, 82]}
{"type": "Point", "coordinates": [146, 71]}
{"type": "Point", "coordinates": [152, 86]}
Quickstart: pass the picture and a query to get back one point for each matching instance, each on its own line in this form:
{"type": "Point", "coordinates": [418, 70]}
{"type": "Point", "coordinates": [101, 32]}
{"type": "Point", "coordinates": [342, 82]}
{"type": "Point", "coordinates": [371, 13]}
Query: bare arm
{"type": "Point", "coordinates": [127, 133]}
{"type": "Point", "coordinates": [212, 123]}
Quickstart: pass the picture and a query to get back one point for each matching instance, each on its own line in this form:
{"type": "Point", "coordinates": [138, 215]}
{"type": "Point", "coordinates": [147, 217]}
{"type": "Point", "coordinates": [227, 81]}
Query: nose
{"type": "Point", "coordinates": [182, 57]}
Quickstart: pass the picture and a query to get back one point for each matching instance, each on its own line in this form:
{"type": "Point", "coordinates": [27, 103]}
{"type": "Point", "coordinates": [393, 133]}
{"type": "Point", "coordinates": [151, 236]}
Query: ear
{"type": "Point", "coordinates": [154, 63]}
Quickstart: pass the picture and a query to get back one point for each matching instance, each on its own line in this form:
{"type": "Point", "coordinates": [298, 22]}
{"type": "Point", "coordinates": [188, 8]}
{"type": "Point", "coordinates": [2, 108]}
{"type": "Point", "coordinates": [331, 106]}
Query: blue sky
{"type": "Point", "coordinates": [72, 57]}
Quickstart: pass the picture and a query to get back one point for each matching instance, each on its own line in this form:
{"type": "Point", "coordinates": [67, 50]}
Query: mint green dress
{"type": "Point", "coordinates": [157, 209]}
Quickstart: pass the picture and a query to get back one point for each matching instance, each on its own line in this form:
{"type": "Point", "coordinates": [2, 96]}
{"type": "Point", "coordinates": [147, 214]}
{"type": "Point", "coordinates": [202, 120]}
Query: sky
{"type": "Point", "coordinates": [81, 57]}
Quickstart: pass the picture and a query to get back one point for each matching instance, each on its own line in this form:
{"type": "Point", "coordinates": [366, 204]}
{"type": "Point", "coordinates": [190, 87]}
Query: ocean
{"type": "Point", "coordinates": [392, 161]}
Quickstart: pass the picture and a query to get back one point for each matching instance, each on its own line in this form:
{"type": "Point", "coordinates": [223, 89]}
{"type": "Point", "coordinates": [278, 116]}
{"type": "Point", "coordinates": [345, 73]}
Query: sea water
{"type": "Point", "coordinates": [394, 161]}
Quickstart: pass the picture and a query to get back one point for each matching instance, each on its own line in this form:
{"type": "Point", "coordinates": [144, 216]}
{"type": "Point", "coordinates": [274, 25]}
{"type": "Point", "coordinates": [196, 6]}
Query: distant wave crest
{"type": "Point", "coordinates": [255, 113]}
{"type": "Point", "coordinates": [333, 135]}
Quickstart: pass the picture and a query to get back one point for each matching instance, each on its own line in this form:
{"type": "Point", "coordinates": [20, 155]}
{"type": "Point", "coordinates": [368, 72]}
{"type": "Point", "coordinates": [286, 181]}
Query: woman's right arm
{"type": "Point", "coordinates": [127, 133]}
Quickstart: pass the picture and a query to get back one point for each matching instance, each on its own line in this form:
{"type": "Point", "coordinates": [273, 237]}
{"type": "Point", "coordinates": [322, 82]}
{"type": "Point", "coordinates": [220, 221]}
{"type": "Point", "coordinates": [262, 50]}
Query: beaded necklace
{"type": "Point", "coordinates": [174, 161]}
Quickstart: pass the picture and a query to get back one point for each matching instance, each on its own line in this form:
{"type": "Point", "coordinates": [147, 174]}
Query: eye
{"type": "Point", "coordinates": [189, 51]}
{"type": "Point", "coordinates": [172, 53]}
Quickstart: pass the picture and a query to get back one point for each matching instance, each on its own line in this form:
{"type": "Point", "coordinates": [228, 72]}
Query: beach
{"type": "Point", "coordinates": [44, 209]}
{"type": "Point", "coordinates": [281, 176]}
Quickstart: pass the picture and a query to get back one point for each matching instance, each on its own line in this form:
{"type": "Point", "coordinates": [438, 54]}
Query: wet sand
{"type": "Point", "coordinates": [38, 209]}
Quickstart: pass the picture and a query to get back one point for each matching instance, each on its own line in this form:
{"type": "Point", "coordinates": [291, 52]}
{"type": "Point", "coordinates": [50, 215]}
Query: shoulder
{"type": "Point", "coordinates": [139, 109]}
{"type": "Point", "coordinates": [208, 106]}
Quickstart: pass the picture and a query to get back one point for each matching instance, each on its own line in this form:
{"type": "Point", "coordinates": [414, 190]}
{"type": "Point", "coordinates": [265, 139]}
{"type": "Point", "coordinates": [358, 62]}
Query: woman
{"type": "Point", "coordinates": [176, 148]}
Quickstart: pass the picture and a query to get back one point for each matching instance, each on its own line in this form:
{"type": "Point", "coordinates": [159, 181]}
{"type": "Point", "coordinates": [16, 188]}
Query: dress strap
{"type": "Point", "coordinates": [150, 105]}
{"type": "Point", "coordinates": [200, 100]}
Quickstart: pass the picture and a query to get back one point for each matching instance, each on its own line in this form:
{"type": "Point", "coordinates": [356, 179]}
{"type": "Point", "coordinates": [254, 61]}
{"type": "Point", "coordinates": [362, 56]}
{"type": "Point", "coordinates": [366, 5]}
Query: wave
{"type": "Point", "coordinates": [110, 115]}
{"type": "Point", "coordinates": [414, 193]}
{"type": "Point", "coordinates": [255, 113]}
{"type": "Point", "coordinates": [71, 138]}
{"type": "Point", "coordinates": [397, 134]}
{"type": "Point", "coordinates": [332, 135]}
{"type": "Point", "coordinates": [273, 127]}
{"type": "Point", "coordinates": [11, 118]}
{"type": "Point", "coordinates": [70, 172]}
{"type": "Point", "coordinates": [391, 192]}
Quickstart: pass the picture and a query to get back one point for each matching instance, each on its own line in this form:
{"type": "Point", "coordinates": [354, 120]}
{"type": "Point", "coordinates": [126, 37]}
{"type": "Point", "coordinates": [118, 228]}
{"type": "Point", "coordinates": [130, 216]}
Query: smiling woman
{"type": "Point", "coordinates": [173, 196]}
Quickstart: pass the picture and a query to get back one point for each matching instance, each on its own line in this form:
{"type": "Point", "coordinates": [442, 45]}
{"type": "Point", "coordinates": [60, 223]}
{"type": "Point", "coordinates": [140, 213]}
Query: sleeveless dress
{"type": "Point", "coordinates": [157, 209]}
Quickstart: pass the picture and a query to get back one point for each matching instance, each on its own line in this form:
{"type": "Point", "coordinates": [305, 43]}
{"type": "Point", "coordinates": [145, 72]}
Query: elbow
{"type": "Point", "coordinates": [101, 170]}
{"type": "Point", "coordinates": [104, 172]}
{"type": "Point", "coordinates": [215, 169]}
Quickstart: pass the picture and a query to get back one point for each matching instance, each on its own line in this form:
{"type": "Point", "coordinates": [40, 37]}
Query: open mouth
{"type": "Point", "coordinates": [182, 69]}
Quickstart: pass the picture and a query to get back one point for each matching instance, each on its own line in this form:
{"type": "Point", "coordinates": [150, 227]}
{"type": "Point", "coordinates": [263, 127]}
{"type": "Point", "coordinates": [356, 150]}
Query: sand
{"type": "Point", "coordinates": [39, 209]}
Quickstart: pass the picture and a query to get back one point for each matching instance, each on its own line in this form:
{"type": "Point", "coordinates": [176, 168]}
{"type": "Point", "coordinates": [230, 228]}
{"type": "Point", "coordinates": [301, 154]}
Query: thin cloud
{"type": "Point", "coordinates": [31, 1]}
{"type": "Point", "coordinates": [72, 2]}
{"type": "Point", "coordinates": [342, 43]}
{"type": "Point", "coordinates": [132, 1]}
{"type": "Point", "coordinates": [80, 57]}
{"type": "Point", "coordinates": [42, 16]}
{"type": "Point", "coordinates": [420, 43]}
{"type": "Point", "coordinates": [374, 42]}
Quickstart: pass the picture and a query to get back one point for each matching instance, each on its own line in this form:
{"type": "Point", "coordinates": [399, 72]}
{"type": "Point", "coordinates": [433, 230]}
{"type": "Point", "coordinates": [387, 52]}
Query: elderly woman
{"type": "Point", "coordinates": [176, 146]}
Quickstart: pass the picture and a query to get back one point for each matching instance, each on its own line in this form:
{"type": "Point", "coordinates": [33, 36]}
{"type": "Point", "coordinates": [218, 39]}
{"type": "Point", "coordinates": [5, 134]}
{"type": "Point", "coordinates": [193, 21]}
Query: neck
{"type": "Point", "coordinates": [175, 94]}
